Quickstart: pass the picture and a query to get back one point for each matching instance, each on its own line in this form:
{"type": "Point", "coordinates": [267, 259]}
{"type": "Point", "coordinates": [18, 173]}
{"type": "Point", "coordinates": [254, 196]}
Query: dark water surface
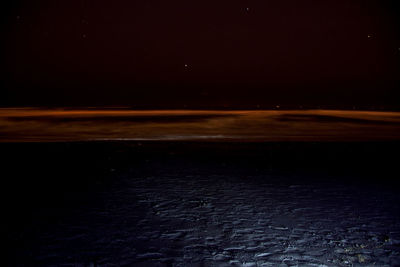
{"type": "Point", "coordinates": [201, 204]}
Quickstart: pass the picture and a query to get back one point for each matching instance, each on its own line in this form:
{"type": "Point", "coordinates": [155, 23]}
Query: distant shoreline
{"type": "Point", "coordinates": [53, 125]}
{"type": "Point", "coordinates": [213, 108]}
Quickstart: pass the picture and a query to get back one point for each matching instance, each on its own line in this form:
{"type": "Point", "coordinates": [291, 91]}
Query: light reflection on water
{"type": "Point", "coordinates": [29, 124]}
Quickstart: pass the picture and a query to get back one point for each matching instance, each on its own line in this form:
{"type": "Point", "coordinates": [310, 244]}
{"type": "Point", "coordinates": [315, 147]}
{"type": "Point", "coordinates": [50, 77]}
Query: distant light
{"type": "Point", "coordinates": [186, 65]}
{"type": "Point", "coordinates": [370, 36]}
{"type": "Point", "coordinates": [247, 9]}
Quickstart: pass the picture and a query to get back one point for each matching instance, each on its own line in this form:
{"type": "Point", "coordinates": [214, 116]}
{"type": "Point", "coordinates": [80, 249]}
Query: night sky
{"type": "Point", "coordinates": [201, 54]}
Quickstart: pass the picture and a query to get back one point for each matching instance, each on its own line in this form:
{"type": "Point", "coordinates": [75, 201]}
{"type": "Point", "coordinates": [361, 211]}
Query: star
{"type": "Point", "coordinates": [186, 65]}
{"type": "Point", "coordinates": [247, 9]}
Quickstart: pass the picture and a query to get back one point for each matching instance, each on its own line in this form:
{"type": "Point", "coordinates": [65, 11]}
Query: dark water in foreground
{"type": "Point", "coordinates": [41, 125]}
{"type": "Point", "coordinates": [201, 204]}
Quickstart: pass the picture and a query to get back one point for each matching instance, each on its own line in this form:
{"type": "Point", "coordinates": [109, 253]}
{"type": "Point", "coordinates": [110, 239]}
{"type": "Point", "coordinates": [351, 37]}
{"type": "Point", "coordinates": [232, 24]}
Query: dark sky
{"type": "Point", "coordinates": [207, 54]}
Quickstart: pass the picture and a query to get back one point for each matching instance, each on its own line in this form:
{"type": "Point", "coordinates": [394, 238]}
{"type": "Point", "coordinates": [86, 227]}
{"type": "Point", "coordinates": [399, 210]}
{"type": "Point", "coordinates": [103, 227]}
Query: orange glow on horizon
{"type": "Point", "coordinates": [29, 124]}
